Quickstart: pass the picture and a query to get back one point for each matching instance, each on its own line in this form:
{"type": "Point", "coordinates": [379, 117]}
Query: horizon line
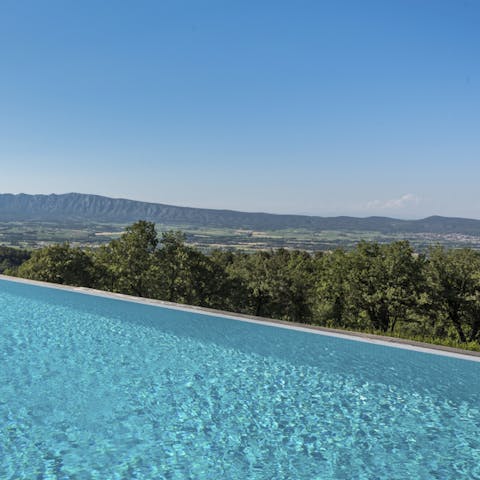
{"type": "Point", "coordinates": [218, 209]}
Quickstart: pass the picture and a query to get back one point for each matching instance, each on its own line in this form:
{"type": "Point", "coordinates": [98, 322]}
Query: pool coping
{"type": "Point", "coordinates": [332, 332]}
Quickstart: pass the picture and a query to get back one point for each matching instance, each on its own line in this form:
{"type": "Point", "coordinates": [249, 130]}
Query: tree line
{"type": "Point", "coordinates": [381, 288]}
{"type": "Point", "coordinates": [11, 258]}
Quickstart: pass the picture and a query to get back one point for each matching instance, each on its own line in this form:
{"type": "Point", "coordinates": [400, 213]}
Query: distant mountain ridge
{"type": "Point", "coordinates": [79, 207]}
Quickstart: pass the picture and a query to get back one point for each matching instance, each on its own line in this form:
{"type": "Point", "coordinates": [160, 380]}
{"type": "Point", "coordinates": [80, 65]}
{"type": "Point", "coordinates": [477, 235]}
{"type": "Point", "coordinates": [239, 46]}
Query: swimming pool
{"type": "Point", "coordinates": [100, 388]}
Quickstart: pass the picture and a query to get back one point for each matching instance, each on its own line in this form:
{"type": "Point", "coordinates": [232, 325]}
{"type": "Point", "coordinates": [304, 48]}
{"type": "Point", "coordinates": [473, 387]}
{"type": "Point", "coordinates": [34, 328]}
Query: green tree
{"type": "Point", "coordinates": [275, 283]}
{"type": "Point", "coordinates": [12, 258]}
{"type": "Point", "coordinates": [333, 306]}
{"type": "Point", "coordinates": [129, 264]}
{"type": "Point", "coordinates": [232, 292]}
{"type": "Point", "coordinates": [186, 275]}
{"type": "Point", "coordinates": [252, 272]}
{"type": "Point", "coordinates": [59, 264]}
{"type": "Point", "coordinates": [386, 282]}
{"type": "Point", "coordinates": [454, 289]}
{"type": "Point", "coordinates": [291, 274]}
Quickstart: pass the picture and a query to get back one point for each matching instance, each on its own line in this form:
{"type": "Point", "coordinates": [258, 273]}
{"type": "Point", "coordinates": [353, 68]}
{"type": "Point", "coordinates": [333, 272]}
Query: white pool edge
{"type": "Point", "coordinates": [394, 342]}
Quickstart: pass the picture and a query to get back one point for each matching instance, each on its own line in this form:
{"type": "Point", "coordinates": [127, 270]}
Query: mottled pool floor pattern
{"type": "Point", "coordinates": [98, 388]}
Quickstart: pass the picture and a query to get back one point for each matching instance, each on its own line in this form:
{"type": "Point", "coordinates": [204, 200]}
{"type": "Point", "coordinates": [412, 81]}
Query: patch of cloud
{"type": "Point", "coordinates": [407, 200]}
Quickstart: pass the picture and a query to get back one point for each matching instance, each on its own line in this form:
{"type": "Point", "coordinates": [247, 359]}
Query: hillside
{"type": "Point", "coordinates": [79, 207]}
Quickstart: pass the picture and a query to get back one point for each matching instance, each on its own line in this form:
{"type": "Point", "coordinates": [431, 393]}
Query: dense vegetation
{"type": "Point", "coordinates": [387, 289]}
{"type": "Point", "coordinates": [10, 258]}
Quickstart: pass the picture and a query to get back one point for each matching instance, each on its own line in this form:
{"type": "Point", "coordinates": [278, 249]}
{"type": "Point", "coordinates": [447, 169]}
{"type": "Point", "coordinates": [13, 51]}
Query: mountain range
{"type": "Point", "coordinates": [78, 207]}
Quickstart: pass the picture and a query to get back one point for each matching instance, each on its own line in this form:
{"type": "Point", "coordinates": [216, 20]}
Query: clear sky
{"type": "Point", "coordinates": [356, 107]}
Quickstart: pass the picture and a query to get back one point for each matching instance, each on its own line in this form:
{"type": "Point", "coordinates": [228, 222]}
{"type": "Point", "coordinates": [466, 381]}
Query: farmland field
{"type": "Point", "coordinates": [38, 234]}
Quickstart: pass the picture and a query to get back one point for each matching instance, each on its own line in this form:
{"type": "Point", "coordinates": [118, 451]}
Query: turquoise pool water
{"type": "Point", "coordinates": [97, 388]}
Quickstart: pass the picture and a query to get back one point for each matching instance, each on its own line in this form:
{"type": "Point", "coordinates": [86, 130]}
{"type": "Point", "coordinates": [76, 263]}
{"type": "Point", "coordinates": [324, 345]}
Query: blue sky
{"type": "Point", "coordinates": [317, 107]}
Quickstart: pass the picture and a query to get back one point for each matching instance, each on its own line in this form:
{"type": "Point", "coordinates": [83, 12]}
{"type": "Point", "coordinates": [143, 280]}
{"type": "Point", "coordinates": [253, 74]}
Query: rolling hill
{"type": "Point", "coordinates": [78, 207]}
